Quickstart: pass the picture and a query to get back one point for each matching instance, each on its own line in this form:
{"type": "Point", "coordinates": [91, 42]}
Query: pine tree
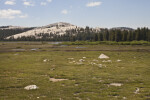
{"type": "Point", "coordinates": [123, 36]}
{"type": "Point", "coordinates": [100, 37]}
{"type": "Point", "coordinates": [137, 35]}
{"type": "Point", "coordinates": [148, 36]}
{"type": "Point", "coordinates": [129, 36]}
{"type": "Point", "coordinates": [96, 37]}
{"type": "Point", "coordinates": [117, 35]}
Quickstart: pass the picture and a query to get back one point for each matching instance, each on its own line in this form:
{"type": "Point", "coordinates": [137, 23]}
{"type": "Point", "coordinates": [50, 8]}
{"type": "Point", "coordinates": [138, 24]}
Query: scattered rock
{"type": "Point", "coordinates": [84, 57]}
{"type": "Point", "coordinates": [34, 49]}
{"type": "Point", "coordinates": [116, 84]}
{"type": "Point", "coordinates": [57, 80]}
{"type": "Point", "coordinates": [100, 81]}
{"type": "Point", "coordinates": [76, 94]}
{"type": "Point", "coordinates": [31, 87]}
{"type": "Point", "coordinates": [100, 65]}
{"type": "Point", "coordinates": [119, 60]}
{"type": "Point", "coordinates": [70, 58]}
{"type": "Point", "coordinates": [43, 96]}
{"type": "Point", "coordinates": [45, 60]}
{"type": "Point", "coordinates": [72, 62]}
{"type": "Point", "coordinates": [102, 56]}
{"type": "Point", "coordinates": [79, 63]}
{"type": "Point", "coordinates": [81, 60]}
{"type": "Point", "coordinates": [106, 61]}
{"type": "Point", "coordinates": [92, 63]}
{"type": "Point", "coordinates": [76, 84]}
{"type": "Point", "coordinates": [137, 91]}
{"type": "Point", "coordinates": [52, 69]}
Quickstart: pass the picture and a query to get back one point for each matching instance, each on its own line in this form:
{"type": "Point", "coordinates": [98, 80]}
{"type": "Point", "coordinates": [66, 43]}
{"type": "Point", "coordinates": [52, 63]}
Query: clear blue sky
{"type": "Point", "coordinates": [93, 13]}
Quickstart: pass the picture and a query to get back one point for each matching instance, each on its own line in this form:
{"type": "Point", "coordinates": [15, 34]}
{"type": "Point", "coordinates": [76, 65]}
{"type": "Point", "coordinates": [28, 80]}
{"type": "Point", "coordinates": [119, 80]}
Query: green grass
{"type": "Point", "coordinates": [107, 42]}
{"type": "Point", "coordinates": [85, 81]}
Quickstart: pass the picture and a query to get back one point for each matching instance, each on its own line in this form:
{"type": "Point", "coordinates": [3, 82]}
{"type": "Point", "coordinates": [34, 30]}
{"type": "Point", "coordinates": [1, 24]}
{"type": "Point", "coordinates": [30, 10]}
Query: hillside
{"type": "Point", "coordinates": [8, 31]}
{"type": "Point", "coordinates": [62, 31]}
{"type": "Point", "coordinates": [56, 28]}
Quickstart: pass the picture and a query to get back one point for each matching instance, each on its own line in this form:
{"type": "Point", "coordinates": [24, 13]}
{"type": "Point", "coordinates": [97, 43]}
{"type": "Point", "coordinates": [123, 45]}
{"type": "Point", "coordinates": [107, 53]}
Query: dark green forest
{"type": "Point", "coordinates": [82, 34]}
{"type": "Point", "coordinates": [9, 32]}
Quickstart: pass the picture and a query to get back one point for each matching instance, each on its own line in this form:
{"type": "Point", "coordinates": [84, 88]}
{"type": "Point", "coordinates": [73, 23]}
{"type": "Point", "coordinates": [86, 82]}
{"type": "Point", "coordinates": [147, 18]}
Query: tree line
{"type": "Point", "coordinates": [87, 34]}
{"type": "Point", "coordinates": [4, 32]}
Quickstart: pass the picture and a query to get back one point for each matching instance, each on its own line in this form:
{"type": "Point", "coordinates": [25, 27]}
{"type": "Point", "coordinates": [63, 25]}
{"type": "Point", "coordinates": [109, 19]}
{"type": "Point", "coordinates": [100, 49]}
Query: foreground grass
{"type": "Point", "coordinates": [86, 81]}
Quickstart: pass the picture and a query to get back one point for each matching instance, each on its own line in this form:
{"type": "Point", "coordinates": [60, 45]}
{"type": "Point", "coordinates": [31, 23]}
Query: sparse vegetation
{"type": "Point", "coordinates": [84, 79]}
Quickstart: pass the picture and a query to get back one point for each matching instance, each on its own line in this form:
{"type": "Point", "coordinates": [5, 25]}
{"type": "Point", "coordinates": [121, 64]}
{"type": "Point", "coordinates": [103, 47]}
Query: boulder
{"type": "Point", "coordinates": [102, 56]}
{"type": "Point", "coordinates": [31, 87]}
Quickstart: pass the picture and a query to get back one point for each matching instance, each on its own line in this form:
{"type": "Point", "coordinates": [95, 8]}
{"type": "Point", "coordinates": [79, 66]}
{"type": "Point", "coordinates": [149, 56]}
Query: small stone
{"type": "Point", "coordinates": [106, 61]}
{"type": "Point", "coordinates": [137, 91]}
{"type": "Point", "coordinates": [31, 87]}
{"type": "Point", "coordinates": [119, 60]}
{"type": "Point", "coordinates": [45, 60]}
{"type": "Point", "coordinates": [70, 58]}
{"type": "Point", "coordinates": [57, 80]}
{"type": "Point", "coordinates": [116, 84]}
{"type": "Point", "coordinates": [100, 65]}
{"type": "Point", "coordinates": [81, 60]}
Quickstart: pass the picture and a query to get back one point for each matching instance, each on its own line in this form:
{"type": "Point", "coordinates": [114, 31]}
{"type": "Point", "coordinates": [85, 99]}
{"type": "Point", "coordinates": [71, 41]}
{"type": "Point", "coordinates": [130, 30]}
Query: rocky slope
{"type": "Point", "coordinates": [56, 28]}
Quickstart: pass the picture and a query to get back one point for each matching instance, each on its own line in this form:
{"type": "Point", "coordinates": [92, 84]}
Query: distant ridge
{"type": "Point", "coordinates": [123, 28]}
{"type": "Point", "coordinates": [58, 28]}
{"type": "Point", "coordinates": [12, 27]}
{"type": "Point", "coordinates": [63, 31]}
{"type": "Point", "coordinates": [59, 24]}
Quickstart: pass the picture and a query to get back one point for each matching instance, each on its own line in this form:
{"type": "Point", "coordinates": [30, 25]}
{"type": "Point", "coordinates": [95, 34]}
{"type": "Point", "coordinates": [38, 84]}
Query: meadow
{"type": "Point", "coordinates": [78, 72]}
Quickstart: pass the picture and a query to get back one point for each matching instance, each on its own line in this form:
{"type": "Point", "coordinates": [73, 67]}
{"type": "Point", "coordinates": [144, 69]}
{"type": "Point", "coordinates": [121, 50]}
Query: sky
{"type": "Point", "coordinates": [93, 13]}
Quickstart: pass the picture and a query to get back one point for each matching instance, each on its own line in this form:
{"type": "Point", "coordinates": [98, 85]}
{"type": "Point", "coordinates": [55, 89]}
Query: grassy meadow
{"type": "Point", "coordinates": [87, 76]}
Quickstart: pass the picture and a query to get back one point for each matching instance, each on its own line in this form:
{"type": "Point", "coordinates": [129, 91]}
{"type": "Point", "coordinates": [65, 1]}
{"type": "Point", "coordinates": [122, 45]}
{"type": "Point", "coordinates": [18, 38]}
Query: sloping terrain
{"type": "Point", "coordinates": [8, 31]}
{"type": "Point", "coordinates": [56, 28]}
